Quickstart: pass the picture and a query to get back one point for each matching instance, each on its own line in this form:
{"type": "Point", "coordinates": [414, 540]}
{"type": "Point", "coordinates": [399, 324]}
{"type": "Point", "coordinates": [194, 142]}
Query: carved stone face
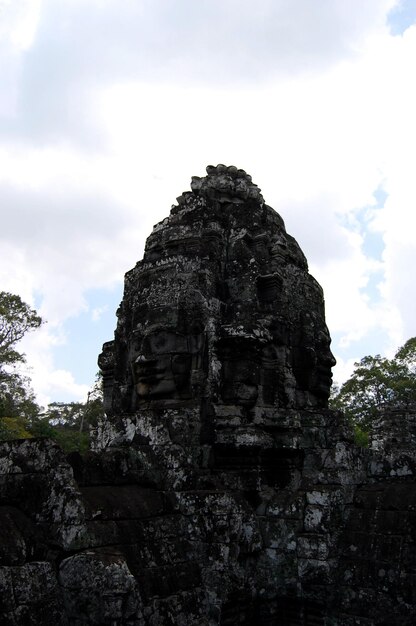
{"type": "Point", "coordinates": [163, 366]}
{"type": "Point", "coordinates": [324, 360]}
{"type": "Point", "coordinates": [313, 358]}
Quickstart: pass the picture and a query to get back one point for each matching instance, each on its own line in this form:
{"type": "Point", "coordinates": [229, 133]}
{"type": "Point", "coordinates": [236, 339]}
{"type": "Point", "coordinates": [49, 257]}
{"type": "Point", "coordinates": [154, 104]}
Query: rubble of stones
{"type": "Point", "coordinates": [220, 489]}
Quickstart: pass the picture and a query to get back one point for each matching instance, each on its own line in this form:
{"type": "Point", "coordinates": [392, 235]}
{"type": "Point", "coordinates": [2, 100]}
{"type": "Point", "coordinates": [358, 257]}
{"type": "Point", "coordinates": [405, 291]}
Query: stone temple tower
{"type": "Point", "coordinates": [218, 378]}
{"type": "Point", "coordinates": [221, 319]}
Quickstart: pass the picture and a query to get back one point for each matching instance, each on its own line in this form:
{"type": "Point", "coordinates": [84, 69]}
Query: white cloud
{"type": "Point", "coordinates": [111, 108]}
{"type": "Point", "coordinates": [49, 382]}
{"type": "Point", "coordinates": [97, 312]}
{"type": "Point", "coordinates": [79, 47]}
{"type": "Point", "coordinates": [343, 371]}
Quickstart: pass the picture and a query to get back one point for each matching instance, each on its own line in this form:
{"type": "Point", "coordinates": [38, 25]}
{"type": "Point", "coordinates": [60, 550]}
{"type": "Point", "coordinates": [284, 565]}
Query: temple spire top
{"type": "Point", "coordinates": [226, 184]}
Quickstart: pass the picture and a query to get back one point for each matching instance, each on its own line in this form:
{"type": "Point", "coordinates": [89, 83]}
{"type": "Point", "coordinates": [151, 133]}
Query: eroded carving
{"type": "Point", "coordinates": [166, 361]}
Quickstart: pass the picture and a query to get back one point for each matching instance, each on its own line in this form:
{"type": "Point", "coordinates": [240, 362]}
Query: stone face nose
{"type": "Point", "coordinates": [331, 359]}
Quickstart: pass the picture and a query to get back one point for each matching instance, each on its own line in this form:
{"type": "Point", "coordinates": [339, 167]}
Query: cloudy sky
{"type": "Point", "coordinates": [107, 109]}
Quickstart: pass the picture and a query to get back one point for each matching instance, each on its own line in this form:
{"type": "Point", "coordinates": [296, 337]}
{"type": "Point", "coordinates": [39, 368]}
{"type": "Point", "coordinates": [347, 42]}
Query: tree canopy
{"type": "Point", "coordinates": [16, 319]}
{"type": "Point", "coordinates": [376, 383]}
{"type": "Point", "coordinates": [17, 401]}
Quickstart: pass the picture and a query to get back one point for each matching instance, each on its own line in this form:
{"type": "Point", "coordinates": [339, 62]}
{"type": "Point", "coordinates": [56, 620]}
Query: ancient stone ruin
{"type": "Point", "coordinates": [220, 490]}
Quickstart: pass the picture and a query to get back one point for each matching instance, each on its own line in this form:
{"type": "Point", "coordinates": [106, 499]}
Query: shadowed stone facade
{"type": "Point", "coordinates": [220, 489]}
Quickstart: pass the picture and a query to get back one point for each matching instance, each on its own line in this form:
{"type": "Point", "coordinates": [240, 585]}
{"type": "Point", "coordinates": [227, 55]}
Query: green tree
{"type": "Point", "coordinates": [69, 422]}
{"type": "Point", "coordinates": [378, 382]}
{"type": "Point", "coordinates": [17, 401]}
{"type": "Point", "coordinates": [16, 319]}
{"type": "Point", "coordinates": [13, 428]}
{"type": "Point", "coordinates": [16, 397]}
{"type": "Point", "coordinates": [65, 414]}
{"type": "Point", "coordinates": [94, 407]}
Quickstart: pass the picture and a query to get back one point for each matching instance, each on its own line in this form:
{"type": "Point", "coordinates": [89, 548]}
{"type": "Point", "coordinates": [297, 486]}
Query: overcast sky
{"type": "Point", "coordinates": [107, 109]}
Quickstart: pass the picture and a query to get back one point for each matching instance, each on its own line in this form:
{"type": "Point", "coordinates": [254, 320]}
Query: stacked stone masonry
{"type": "Point", "coordinates": [220, 489]}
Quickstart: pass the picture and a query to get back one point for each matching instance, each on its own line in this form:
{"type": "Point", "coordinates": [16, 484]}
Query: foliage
{"type": "Point", "coordinates": [40, 426]}
{"type": "Point", "coordinates": [17, 401]}
{"type": "Point", "coordinates": [16, 397]}
{"type": "Point", "coordinates": [13, 428]}
{"type": "Point", "coordinates": [16, 319]}
{"type": "Point", "coordinates": [407, 355]}
{"type": "Point", "coordinates": [78, 415]}
{"type": "Point", "coordinates": [69, 422]}
{"type": "Point", "coordinates": [71, 440]}
{"type": "Point", "coordinates": [377, 382]}
{"type": "Point", "coordinates": [361, 437]}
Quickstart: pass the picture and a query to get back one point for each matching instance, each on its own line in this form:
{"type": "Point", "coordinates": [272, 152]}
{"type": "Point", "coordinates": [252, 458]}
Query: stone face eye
{"type": "Point", "coordinates": [158, 343]}
{"type": "Point", "coordinates": [163, 342]}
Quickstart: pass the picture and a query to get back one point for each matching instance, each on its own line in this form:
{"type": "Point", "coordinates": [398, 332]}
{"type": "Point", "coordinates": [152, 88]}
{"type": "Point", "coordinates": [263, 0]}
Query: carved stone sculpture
{"type": "Point", "coordinates": [221, 307]}
{"type": "Point", "coordinates": [218, 375]}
